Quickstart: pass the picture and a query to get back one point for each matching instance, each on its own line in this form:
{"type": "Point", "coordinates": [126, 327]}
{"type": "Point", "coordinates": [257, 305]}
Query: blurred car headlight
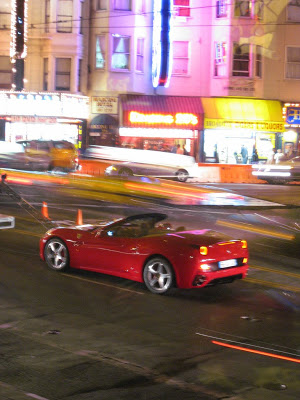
{"type": "Point", "coordinates": [110, 169]}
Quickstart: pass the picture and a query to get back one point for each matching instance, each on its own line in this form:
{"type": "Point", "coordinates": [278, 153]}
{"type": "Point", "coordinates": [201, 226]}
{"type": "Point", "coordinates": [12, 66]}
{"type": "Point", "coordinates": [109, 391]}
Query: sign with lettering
{"type": "Point", "coordinates": [293, 115]}
{"type": "Point", "coordinates": [105, 105]}
{"type": "Point", "coordinates": [178, 120]}
{"type": "Point", "coordinates": [266, 126]}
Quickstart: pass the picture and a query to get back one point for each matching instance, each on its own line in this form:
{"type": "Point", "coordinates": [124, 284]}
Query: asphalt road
{"type": "Point", "coordinates": [82, 335]}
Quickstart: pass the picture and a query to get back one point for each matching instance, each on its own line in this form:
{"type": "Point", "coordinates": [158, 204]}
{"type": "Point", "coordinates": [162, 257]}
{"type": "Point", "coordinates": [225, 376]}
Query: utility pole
{"type": "Point", "coordinates": [18, 43]}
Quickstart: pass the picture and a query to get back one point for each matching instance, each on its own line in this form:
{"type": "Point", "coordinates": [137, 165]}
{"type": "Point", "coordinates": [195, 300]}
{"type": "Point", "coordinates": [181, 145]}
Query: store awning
{"type": "Point", "coordinates": [104, 119]}
{"type": "Point", "coordinates": [247, 113]}
{"type": "Point", "coordinates": [180, 112]}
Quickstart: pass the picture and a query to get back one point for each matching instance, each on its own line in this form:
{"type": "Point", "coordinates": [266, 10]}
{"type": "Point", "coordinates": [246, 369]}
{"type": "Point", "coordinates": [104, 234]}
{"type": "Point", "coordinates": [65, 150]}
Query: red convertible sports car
{"type": "Point", "coordinates": [144, 249]}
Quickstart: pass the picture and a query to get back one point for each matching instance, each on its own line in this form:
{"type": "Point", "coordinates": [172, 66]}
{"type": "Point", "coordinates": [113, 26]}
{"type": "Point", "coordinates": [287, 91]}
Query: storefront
{"type": "Point", "coordinates": [31, 116]}
{"type": "Point", "coordinates": [290, 138]}
{"type": "Point", "coordinates": [236, 127]}
{"type": "Point", "coordinates": [162, 123]}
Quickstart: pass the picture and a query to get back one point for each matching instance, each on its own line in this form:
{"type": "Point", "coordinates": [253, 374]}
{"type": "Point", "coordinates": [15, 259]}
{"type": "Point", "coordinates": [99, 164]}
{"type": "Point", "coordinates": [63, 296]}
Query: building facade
{"type": "Point", "coordinates": [105, 49]}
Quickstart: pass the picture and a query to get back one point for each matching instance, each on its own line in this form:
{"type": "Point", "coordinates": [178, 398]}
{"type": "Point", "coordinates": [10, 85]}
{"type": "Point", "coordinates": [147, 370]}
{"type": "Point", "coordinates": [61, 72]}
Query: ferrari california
{"type": "Point", "coordinates": [145, 248]}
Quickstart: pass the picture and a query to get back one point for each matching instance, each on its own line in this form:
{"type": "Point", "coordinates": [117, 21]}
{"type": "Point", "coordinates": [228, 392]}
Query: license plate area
{"type": "Point", "coordinates": [228, 263]}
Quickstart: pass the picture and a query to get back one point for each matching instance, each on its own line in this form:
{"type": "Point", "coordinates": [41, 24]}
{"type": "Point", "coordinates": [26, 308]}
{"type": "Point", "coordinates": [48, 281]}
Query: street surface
{"type": "Point", "coordinates": [87, 336]}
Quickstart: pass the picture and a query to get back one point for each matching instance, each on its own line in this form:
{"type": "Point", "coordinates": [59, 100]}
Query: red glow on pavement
{"type": "Point", "coordinates": [263, 353]}
{"type": "Point", "coordinates": [21, 181]}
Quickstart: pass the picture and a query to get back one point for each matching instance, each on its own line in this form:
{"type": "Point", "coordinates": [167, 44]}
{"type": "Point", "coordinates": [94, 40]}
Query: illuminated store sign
{"type": "Point", "coordinates": [44, 104]}
{"type": "Point", "coordinates": [162, 47]}
{"type": "Point", "coordinates": [292, 114]}
{"type": "Point", "coordinates": [267, 126]}
{"type": "Point", "coordinates": [183, 119]}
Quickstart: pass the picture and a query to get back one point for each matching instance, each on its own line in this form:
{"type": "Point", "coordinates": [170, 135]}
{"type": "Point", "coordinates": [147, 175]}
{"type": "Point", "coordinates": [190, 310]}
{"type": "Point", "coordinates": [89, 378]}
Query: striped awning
{"type": "Point", "coordinates": [179, 112]}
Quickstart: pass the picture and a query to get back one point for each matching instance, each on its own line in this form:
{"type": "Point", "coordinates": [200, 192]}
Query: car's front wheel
{"type": "Point", "coordinates": [158, 275]}
{"type": "Point", "coordinates": [125, 172]}
{"type": "Point", "coordinates": [56, 255]}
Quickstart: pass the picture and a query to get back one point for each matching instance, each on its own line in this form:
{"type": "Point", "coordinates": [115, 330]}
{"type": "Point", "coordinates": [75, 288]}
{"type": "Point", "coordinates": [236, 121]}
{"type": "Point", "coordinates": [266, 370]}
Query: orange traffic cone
{"type": "Point", "coordinates": [45, 210]}
{"type": "Point", "coordinates": [79, 217]}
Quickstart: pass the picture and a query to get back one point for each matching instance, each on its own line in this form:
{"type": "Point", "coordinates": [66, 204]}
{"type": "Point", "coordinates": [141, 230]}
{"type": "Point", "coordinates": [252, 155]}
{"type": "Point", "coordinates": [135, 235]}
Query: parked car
{"type": "Point", "coordinates": [283, 172]}
{"type": "Point", "coordinates": [62, 154]}
{"type": "Point", "coordinates": [159, 164]}
{"type": "Point", "coordinates": [14, 156]}
{"type": "Point", "coordinates": [145, 249]}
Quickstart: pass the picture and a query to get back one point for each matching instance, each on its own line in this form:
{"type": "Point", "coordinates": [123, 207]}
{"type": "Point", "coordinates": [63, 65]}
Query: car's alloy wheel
{"type": "Point", "coordinates": [182, 175]}
{"type": "Point", "coordinates": [158, 275]}
{"type": "Point", "coordinates": [56, 254]}
{"type": "Point", "coordinates": [125, 172]}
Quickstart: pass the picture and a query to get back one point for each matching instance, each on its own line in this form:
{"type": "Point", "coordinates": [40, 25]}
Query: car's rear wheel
{"type": "Point", "coordinates": [57, 255]}
{"type": "Point", "coordinates": [158, 275]}
{"type": "Point", "coordinates": [182, 175]}
{"type": "Point", "coordinates": [125, 172]}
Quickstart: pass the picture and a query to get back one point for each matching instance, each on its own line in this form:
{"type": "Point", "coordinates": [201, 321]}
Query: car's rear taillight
{"type": "Point", "coordinates": [203, 250]}
{"type": "Point", "coordinates": [244, 244]}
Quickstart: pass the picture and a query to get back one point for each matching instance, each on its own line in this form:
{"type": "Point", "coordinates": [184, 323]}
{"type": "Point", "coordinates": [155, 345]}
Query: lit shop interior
{"type": "Point", "coordinates": [32, 116]}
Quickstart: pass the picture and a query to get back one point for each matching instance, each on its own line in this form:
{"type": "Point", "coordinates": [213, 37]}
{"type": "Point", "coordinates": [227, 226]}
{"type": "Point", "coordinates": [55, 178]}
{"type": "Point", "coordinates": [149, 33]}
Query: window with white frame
{"type": "Point", "coordinates": [241, 60]}
{"type": "Point", "coordinates": [140, 55]}
{"type": "Point", "coordinates": [81, 17]}
{"type": "Point", "coordinates": [63, 74]}
{"type": "Point", "coordinates": [258, 61]}
{"type": "Point", "coordinates": [182, 8]}
{"type": "Point", "coordinates": [120, 52]}
{"type": "Point", "coordinates": [249, 8]}
{"type": "Point", "coordinates": [293, 11]}
{"type": "Point", "coordinates": [292, 70]}
{"type": "Point", "coordinates": [100, 51]}
{"type": "Point", "coordinates": [100, 5]}
{"type": "Point", "coordinates": [141, 6]}
{"type": "Point", "coordinates": [47, 15]}
{"type": "Point", "coordinates": [242, 8]}
{"type": "Point", "coordinates": [64, 16]}
{"type": "Point", "coordinates": [220, 59]}
{"type": "Point", "coordinates": [221, 8]}
{"type": "Point", "coordinates": [180, 58]}
{"type": "Point", "coordinates": [45, 73]}
{"type": "Point", "coordinates": [5, 72]}
{"type": "Point", "coordinates": [124, 5]}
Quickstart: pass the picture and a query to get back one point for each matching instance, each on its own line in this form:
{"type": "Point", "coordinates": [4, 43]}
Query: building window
{"type": "Point", "coordinates": [292, 63]}
{"type": "Point", "coordinates": [121, 53]}
{"type": "Point", "coordinates": [220, 59]}
{"type": "Point", "coordinates": [140, 55]}
{"type": "Point", "coordinates": [258, 62]}
{"type": "Point", "coordinates": [63, 74]}
{"type": "Point", "coordinates": [141, 6]}
{"type": "Point", "coordinates": [100, 5]}
{"type": "Point", "coordinates": [293, 11]}
{"type": "Point", "coordinates": [182, 8]}
{"type": "Point", "coordinates": [242, 8]}
{"type": "Point", "coordinates": [79, 76]}
{"type": "Point", "coordinates": [221, 8]}
{"type": "Point", "coordinates": [5, 72]}
{"type": "Point", "coordinates": [249, 8]}
{"type": "Point", "coordinates": [100, 51]}
{"type": "Point", "coordinates": [124, 5]}
{"type": "Point", "coordinates": [47, 15]}
{"type": "Point", "coordinates": [180, 58]}
{"type": "Point", "coordinates": [81, 17]}
{"type": "Point", "coordinates": [5, 18]}
{"type": "Point", "coordinates": [241, 60]}
{"type": "Point", "coordinates": [64, 16]}
{"type": "Point", "coordinates": [45, 74]}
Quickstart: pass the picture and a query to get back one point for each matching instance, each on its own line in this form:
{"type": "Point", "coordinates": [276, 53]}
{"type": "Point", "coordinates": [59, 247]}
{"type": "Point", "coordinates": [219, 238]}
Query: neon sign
{"type": "Point", "coordinates": [165, 119]}
{"type": "Point", "coordinates": [162, 46]}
